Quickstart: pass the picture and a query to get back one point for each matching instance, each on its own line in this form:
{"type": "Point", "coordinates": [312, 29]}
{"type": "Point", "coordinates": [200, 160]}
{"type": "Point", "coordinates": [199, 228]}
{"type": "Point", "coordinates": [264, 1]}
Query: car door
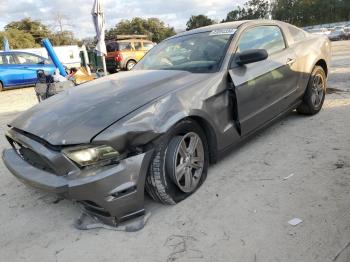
{"type": "Point", "coordinates": [261, 87]}
{"type": "Point", "coordinates": [10, 72]}
{"type": "Point", "coordinates": [30, 64]}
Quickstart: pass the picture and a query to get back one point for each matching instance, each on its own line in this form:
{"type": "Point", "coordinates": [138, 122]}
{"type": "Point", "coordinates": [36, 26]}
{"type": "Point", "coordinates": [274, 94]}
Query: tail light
{"type": "Point", "coordinates": [118, 58]}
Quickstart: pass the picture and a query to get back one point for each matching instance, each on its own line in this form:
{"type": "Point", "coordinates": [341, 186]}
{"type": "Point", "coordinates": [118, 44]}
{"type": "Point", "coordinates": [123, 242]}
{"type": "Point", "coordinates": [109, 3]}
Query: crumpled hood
{"type": "Point", "coordinates": [77, 115]}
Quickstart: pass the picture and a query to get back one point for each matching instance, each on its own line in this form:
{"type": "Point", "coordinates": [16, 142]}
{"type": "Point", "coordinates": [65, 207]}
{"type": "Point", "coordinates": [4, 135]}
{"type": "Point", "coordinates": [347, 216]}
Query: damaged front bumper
{"type": "Point", "coordinates": [112, 193]}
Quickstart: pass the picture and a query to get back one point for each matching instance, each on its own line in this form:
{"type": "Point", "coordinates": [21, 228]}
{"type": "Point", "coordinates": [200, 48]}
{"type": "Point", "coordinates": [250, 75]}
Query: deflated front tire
{"type": "Point", "coordinates": [180, 163]}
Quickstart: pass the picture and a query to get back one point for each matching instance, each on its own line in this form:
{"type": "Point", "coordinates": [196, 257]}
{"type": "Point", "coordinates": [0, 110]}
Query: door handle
{"type": "Point", "coordinates": [290, 61]}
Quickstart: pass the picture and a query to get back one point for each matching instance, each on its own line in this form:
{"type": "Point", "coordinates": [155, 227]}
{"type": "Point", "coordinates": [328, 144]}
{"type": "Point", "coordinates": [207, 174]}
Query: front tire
{"type": "Point", "coordinates": [179, 165]}
{"type": "Point", "coordinates": [315, 93]}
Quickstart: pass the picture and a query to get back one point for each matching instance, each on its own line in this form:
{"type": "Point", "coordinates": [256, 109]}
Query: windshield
{"type": "Point", "coordinates": [197, 53]}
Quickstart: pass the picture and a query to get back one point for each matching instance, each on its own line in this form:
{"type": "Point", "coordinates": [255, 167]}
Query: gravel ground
{"type": "Point", "coordinates": [239, 214]}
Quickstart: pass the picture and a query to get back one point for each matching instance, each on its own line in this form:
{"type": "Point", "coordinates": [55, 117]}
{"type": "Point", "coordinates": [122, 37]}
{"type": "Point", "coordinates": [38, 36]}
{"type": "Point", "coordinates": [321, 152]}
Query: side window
{"type": "Point", "coordinates": [28, 59]}
{"type": "Point", "coordinates": [296, 33]}
{"type": "Point", "coordinates": [138, 46]}
{"type": "Point", "coordinates": [7, 60]}
{"type": "Point", "coordinates": [262, 37]}
{"type": "Point", "coordinates": [148, 46]}
{"type": "Point", "coordinates": [125, 46]}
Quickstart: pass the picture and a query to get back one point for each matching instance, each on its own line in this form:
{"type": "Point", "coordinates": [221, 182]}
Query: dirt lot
{"type": "Point", "coordinates": [239, 214]}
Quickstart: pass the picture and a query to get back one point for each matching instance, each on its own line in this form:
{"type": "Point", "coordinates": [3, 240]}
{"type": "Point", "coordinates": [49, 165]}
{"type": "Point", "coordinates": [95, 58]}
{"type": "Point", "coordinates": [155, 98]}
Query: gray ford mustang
{"type": "Point", "coordinates": [156, 128]}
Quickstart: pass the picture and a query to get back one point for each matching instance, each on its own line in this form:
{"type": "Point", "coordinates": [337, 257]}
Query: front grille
{"type": "Point", "coordinates": [30, 156]}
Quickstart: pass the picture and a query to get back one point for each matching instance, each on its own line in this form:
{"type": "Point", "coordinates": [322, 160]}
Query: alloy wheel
{"type": "Point", "coordinates": [318, 90]}
{"type": "Point", "coordinates": [130, 65]}
{"type": "Point", "coordinates": [189, 162]}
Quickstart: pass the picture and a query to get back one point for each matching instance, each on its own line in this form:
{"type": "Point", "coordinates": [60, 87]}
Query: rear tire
{"type": "Point", "coordinates": [173, 175]}
{"type": "Point", "coordinates": [1, 87]}
{"type": "Point", "coordinates": [112, 71]}
{"type": "Point", "coordinates": [315, 93]}
{"type": "Point", "coordinates": [130, 64]}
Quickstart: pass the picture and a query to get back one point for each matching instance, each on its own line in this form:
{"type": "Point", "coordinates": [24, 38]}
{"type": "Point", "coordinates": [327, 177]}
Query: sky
{"type": "Point", "coordinates": [78, 12]}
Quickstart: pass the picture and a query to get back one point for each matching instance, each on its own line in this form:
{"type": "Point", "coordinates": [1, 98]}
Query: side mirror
{"type": "Point", "coordinates": [251, 56]}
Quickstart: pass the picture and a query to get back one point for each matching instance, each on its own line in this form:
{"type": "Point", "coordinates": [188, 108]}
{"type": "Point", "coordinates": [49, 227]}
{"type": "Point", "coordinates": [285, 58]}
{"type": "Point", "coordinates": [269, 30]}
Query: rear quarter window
{"type": "Point", "coordinates": [138, 46]}
{"type": "Point", "coordinates": [118, 46]}
{"type": "Point", "coordinates": [148, 46]}
{"type": "Point", "coordinates": [124, 46]}
{"type": "Point", "coordinates": [296, 34]}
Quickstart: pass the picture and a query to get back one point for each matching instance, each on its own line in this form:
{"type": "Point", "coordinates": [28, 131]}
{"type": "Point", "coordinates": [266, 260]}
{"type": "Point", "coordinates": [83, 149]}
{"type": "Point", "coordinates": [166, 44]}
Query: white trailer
{"type": "Point", "coordinates": [68, 55]}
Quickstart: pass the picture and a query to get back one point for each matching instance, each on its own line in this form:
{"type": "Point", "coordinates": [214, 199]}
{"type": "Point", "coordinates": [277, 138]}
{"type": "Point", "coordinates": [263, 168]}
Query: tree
{"type": "Point", "coordinates": [18, 39]}
{"type": "Point", "coordinates": [89, 42]}
{"type": "Point", "coordinates": [197, 21]}
{"type": "Point", "coordinates": [253, 9]}
{"type": "Point", "coordinates": [307, 12]}
{"type": "Point", "coordinates": [33, 27]}
{"type": "Point", "coordinates": [234, 15]}
{"type": "Point", "coordinates": [154, 28]}
{"type": "Point", "coordinates": [61, 22]}
{"type": "Point", "coordinates": [63, 38]}
{"type": "Point", "coordinates": [292, 11]}
{"type": "Point", "coordinates": [35, 30]}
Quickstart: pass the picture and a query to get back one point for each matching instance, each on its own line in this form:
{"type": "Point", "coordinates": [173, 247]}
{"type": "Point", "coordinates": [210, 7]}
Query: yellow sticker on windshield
{"type": "Point", "coordinates": [227, 31]}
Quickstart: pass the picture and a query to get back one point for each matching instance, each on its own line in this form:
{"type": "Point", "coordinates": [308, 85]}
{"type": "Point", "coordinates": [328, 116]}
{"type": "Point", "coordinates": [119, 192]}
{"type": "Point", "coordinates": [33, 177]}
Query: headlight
{"type": "Point", "coordinates": [87, 156]}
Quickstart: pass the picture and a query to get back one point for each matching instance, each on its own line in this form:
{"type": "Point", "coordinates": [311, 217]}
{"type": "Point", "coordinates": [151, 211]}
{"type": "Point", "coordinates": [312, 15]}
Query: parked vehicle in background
{"type": "Point", "coordinates": [124, 53]}
{"type": "Point", "coordinates": [158, 127]}
{"type": "Point", "coordinates": [337, 28]}
{"type": "Point", "coordinates": [20, 68]}
{"type": "Point", "coordinates": [319, 31]}
{"type": "Point", "coordinates": [337, 34]}
{"type": "Point", "coordinates": [347, 33]}
{"type": "Point", "coordinates": [68, 55]}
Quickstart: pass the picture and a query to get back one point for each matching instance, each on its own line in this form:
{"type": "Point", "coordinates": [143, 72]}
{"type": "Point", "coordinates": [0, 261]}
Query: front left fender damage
{"type": "Point", "coordinates": [149, 122]}
{"type": "Point", "coordinates": [143, 126]}
{"type": "Point", "coordinates": [112, 194]}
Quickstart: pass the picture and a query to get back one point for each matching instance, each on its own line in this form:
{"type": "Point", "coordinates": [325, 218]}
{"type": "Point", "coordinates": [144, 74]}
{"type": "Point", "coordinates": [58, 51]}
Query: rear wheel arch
{"type": "Point", "coordinates": [315, 92]}
{"type": "Point", "coordinates": [322, 63]}
{"type": "Point", "coordinates": [131, 59]}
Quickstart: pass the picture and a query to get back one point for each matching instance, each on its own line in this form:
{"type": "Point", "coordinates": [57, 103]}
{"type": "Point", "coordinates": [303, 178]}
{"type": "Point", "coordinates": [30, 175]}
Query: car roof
{"type": "Point", "coordinates": [17, 52]}
{"type": "Point", "coordinates": [129, 40]}
{"type": "Point", "coordinates": [229, 25]}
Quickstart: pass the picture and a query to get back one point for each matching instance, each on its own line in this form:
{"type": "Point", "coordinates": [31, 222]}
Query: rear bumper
{"type": "Point", "coordinates": [113, 65]}
{"type": "Point", "coordinates": [113, 193]}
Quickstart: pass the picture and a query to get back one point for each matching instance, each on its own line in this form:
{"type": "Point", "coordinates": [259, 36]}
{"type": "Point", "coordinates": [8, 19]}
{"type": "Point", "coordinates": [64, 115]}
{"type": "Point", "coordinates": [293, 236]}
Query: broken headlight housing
{"type": "Point", "coordinates": [92, 155]}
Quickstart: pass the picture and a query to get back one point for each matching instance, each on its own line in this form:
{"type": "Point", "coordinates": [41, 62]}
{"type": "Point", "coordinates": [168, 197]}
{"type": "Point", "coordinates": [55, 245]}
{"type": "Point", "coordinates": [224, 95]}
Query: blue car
{"type": "Point", "coordinates": [19, 68]}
